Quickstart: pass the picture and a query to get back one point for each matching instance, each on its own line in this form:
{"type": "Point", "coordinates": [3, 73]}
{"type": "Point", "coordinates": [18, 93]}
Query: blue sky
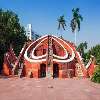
{"type": "Point", "coordinates": [43, 14]}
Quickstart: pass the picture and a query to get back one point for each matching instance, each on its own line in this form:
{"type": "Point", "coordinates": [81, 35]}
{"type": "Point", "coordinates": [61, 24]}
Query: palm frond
{"type": "Point", "coordinates": [77, 10]}
{"type": "Point", "coordinates": [62, 22]}
{"type": "Point", "coordinates": [73, 10]}
{"type": "Point", "coordinates": [73, 25]}
{"type": "Point", "coordinates": [78, 24]}
{"type": "Point", "coordinates": [77, 18]}
{"type": "Point", "coordinates": [80, 17]}
{"type": "Point", "coordinates": [63, 26]}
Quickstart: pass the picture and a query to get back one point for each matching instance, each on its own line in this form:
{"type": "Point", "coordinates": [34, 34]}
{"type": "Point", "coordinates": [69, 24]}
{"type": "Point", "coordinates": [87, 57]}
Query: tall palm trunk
{"type": "Point", "coordinates": [75, 37]}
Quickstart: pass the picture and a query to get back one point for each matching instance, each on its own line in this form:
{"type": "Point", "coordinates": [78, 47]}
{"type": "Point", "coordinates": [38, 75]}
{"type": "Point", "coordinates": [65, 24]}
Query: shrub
{"type": "Point", "coordinates": [96, 76]}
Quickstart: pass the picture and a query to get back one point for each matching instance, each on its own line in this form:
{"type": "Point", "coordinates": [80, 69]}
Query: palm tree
{"type": "Point", "coordinates": [75, 22]}
{"type": "Point", "coordinates": [62, 23]}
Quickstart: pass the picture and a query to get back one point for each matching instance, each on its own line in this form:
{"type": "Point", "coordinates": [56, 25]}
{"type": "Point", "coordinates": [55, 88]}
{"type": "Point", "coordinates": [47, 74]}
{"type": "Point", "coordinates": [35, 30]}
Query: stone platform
{"type": "Point", "coordinates": [48, 89]}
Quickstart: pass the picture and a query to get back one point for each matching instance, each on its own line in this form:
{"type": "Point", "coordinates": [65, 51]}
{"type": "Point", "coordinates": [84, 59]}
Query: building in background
{"type": "Point", "coordinates": [31, 35]}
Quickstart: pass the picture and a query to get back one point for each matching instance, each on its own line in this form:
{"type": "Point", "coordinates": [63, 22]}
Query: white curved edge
{"type": "Point", "coordinates": [31, 60]}
{"type": "Point", "coordinates": [22, 50]}
{"type": "Point", "coordinates": [25, 55]}
{"type": "Point", "coordinates": [88, 64]}
{"type": "Point", "coordinates": [66, 54]}
{"type": "Point", "coordinates": [79, 55]}
{"type": "Point", "coordinates": [73, 54]}
{"type": "Point", "coordinates": [38, 57]}
{"type": "Point", "coordinates": [35, 61]}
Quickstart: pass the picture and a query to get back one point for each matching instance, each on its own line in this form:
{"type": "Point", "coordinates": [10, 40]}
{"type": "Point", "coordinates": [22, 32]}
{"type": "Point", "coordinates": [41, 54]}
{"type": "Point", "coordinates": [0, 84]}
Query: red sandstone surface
{"type": "Point", "coordinates": [48, 89]}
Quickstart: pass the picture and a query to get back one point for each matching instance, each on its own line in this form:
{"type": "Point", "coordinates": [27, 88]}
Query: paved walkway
{"type": "Point", "coordinates": [48, 89]}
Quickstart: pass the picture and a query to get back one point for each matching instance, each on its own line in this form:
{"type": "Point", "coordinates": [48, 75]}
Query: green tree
{"type": "Point", "coordinates": [81, 48]}
{"type": "Point", "coordinates": [96, 75]}
{"type": "Point", "coordinates": [87, 56]}
{"type": "Point", "coordinates": [61, 23]}
{"type": "Point", "coordinates": [95, 51]}
{"type": "Point", "coordinates": [11, 32]}
{"type": "Point", "coordinates": [75, 22]}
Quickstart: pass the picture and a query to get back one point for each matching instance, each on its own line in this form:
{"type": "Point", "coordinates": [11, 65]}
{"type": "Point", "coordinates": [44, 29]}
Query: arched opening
{"type": "Point", "coordinates": [42, 70]}
{"type": "Point", "coordinates": [55, 71]}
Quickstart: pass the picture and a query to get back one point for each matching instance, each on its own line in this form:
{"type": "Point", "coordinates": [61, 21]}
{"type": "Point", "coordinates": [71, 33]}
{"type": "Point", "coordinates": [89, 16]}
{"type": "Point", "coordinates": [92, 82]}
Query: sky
{"type": "Point", "coordinates": [43, 15]}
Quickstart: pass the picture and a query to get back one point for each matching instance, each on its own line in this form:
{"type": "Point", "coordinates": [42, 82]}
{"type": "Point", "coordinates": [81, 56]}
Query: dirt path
{"type": "Point", "coordinates": [48, 89]}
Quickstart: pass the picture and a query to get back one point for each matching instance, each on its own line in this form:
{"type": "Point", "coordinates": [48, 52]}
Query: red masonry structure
{"type": "Point", "coordinates": [48, 56]}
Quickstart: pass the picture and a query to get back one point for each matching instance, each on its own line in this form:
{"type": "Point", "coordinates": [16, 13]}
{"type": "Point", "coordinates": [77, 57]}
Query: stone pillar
{"type": "Point", "coordinates": [49, 73]}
